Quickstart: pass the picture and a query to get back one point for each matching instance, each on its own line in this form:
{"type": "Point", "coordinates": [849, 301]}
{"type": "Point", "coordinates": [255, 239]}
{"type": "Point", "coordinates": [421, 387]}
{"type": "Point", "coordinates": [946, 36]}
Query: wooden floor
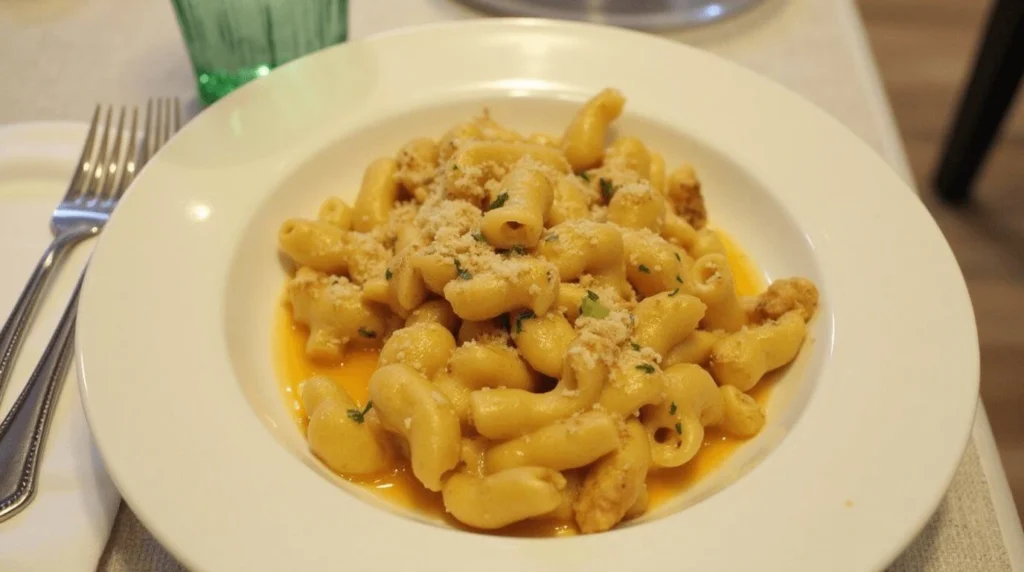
{"type": "Point", "coordinates": [925, 49]}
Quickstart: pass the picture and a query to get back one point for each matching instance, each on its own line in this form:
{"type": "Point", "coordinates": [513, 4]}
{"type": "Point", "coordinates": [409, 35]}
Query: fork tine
{"type": "Point", "coordinates": [99, 171]}
{"type": "Point", "coordinates": [115, 165]}
{"type": "Point", "coordinates": [84, 168]}
{"type": "Point", "coordinates": [165, 134]}
{"type": "Point", "coordinates": [177, 115]}
{"type": "Point", "coordinates": [131, 158]}
{"type": "Point", "coordinates": [147, 132]}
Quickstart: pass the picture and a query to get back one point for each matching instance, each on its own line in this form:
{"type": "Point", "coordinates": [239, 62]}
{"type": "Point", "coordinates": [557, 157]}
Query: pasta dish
{"type": "Point", "coordinates": [555, 321]}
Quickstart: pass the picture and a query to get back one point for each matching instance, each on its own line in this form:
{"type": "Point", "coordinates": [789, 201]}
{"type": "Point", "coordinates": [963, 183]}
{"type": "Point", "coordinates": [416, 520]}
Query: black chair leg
{"type": "Point", "coordinates": [997, 73]}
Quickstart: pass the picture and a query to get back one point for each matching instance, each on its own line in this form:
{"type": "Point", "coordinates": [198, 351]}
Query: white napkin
{"type": "Point", "coordinates": [66, 527]}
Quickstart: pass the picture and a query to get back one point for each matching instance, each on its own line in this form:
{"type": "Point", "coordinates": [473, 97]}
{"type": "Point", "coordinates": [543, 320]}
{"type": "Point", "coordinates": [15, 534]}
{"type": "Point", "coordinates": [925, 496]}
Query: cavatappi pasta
{"type": "Point", "coordinates": [555, 320]}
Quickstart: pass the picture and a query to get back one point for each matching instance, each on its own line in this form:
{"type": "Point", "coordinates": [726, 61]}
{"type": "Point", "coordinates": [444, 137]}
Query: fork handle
{"type": "Point", "coordinates": [23, 430]}
{"type": "Point", "coordinates": [13, 332]}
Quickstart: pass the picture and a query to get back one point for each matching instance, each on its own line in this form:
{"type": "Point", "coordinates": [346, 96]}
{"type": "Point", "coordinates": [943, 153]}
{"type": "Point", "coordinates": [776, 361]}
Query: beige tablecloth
{"type": "Point", "coordinates": [815, 47]}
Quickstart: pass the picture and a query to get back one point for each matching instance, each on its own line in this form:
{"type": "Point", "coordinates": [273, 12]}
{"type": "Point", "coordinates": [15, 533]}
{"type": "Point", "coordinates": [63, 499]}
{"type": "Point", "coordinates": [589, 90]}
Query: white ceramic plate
{"type": "Point", "coordinates": [175, 321]}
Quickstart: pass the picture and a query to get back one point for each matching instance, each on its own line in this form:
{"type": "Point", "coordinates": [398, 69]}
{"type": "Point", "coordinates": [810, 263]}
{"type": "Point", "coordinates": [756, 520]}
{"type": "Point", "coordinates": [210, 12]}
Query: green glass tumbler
{"type": "Point", "coordinates": [231, 42]}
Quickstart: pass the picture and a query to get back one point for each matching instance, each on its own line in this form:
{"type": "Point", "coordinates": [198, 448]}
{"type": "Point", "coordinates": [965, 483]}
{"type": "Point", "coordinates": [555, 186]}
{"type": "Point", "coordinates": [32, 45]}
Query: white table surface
{"type": "Point", "coordinates": [58, 58]}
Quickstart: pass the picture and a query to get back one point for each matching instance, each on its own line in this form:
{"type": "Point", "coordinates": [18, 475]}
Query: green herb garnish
{"type": "Point", "coordinates": [499, 201]}
{"type": "Point", "coordinates": [678, 279]}
{"type": "Point", "coordinates": [607, 189]}
{"type": "Point", "coordinates": [523, 316]}
{"type": "Point", "coordinates": [643, 268]}
{"type": "Point", "coordinates": [673, 293]}
{"type": "Point", "coordinates": [635, 346]}
{"type": "Point", "coordinates": [592, 308]}
{"type": "Point", "coordinates": [462, 272]}
{"type": "Point", "coordinates": [367, 333]}
{"type": "Point", "coordinates": [388, 274]}
{"type": "Point", "coordinates": [646, 368]}
{"type": "Point", "coordinates": [479, 237]}
{"type": "Point", "coordinates": [677, 256]}
{"type": "Point", "coordinates": [505, 323]}
{"type": "Point", "coordinates": [360, 416]}
{"type": "Point", "coordinates": [679, 428]}
{"type": "Point", "coordinates": [672, 408]}
{"type": "Point", "coordinates": [516, 249]}
{"type": "Point", "coordinates": [585, 177]}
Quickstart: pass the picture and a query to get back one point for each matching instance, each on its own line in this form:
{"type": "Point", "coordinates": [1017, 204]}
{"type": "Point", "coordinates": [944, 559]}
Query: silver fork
{"type": "Point", "coordinates": [97, 186]}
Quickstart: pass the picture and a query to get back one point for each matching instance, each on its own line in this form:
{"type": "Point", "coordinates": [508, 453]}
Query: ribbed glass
{"type": "Point", "coordinates": [232, 42]}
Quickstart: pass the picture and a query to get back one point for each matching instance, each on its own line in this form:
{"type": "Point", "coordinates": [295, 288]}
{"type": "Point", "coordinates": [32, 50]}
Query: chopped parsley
{"type": "Point", "coordinates": [551, 238]}
{"type": "Point", "coordinates": [505, 323]}
{"type": "Point", "coordinates": [592, 308]}
{"type": "Point", "coordinates": [607, 189]}
{"type": "Point", "coordinates": [646, 368]}
{"type": "Point", "coordinates": [367, 333]}
{"type": "Point", "coordinates": [679, 428]}
{"type": "Point", "coordinates": [523, 316]}
{"type": "Point", "coordinates": [360, 415]}
{"type": "Point", "coordinates": [643, 268]}
{"type": "Point", "coordinates": [673, 293]}
{"type": "Point", "coordinates": [388, 274]}
{"type": "Point", "coordinates": [585, 177]}
{"type": "Point", "coordinates": [516, 249]}
{"type": "Point", "coordinates": [672, 408]}
{"type": "Point", "coordinates": [499, 202]}
{"type": "Point", "coordinates": [479, 237]}
{"type": "Point", "coordinates": [635, 346]}
{"type": "Point", "coordinates": [455, 167]}
{"type": "Point", "coordinates": [461, 272]}
{"type": "Point", "coordinates": [678, 279]}
{"type": "Point", "coordinates": [677, 256]}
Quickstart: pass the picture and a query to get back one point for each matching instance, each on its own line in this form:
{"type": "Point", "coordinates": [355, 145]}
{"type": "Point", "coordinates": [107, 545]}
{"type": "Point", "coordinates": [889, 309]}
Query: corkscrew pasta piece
{"type": "Point", "coordinates": [317, 244]}
{"type": "Point", "coordinates": [505, 497]}
{"type": "Point", "coordinates": [586, 247]}
{"type": "Point", "coordinates": [435, 312]}
{"type": "Point", "coordinates": [568, 444]}
{"type": "Point", "coordinates": [530, 283]}
{"type": "Point", "coordinates": [742, 416]}
{"type": "Point", "coordinates": [479, 365]}
{"type": "Point", "coordinates": [376, 196]}
{"type": "Point", "coordinates": [637, 206]}
{"type": "Point", "coordinates": [711, 280]}
{"type": "Point", "coordinates": [336, 315]}
{"type": "Point", "coordinates": [696, 349]}
{"type": "Point", "coordinates": [683, 189]}
{"type": "Point", "coordinates": [652, 264]}
{"type": "Point", "coordinates": [583, 141]}
{"type": "Point", "coordinates": [675, 427]}
{"type": "Point", "coordinates": [543, 341]}
{"type": "Point", "coordinates": [657, 173]}
{"type": "Point", "coordinates": [615, 483]}
{"type": "Point", "coordinates": [509, 413]}
{"type": "Point", "coordinates": [629, 153]}
{"type": "Point", "coordinates": [345, 436]}
{"type": "Point", "coordinates": [570, 203]}
{"type": "Point", "coordinates": [409, 405]}
{"type": "Point", "coordinates": [525, 197]}
{"type": "Point", "coordinates": [632, 383]}
{"type": "Point", "coordinates": [666, 319]}
{"type": "Point", "coordinates": [475, 163]}
{"type": "Point", "coordinates": [424, 347]}
{"type": "Point", "coordinates": [335, 212]}
{"type": "Point", "coordinates": [741, 359]}
{"type": "Point", "coordinates": [706, 241]}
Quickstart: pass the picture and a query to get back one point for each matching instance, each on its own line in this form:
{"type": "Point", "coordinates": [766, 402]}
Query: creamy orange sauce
{"type": "Point", "coordinates": [401, 487]}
